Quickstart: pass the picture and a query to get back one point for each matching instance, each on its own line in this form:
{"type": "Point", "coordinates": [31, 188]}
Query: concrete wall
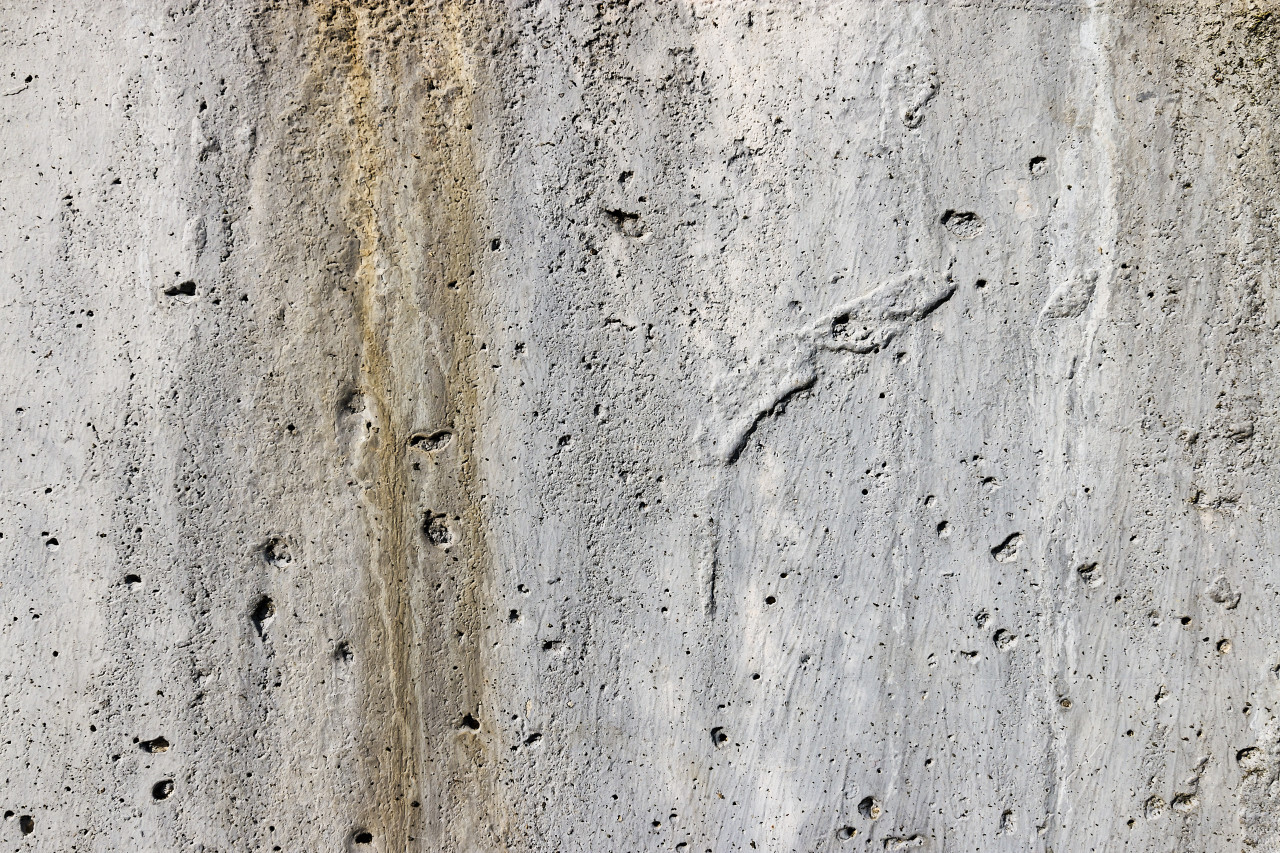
{"type": "Point", "coordinates": [630, 426]}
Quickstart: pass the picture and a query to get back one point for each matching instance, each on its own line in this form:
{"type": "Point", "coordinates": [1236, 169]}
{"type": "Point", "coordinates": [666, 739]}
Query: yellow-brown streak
{"type": "Point", "coordinates": [368, 185]}
{"type": "Point", "coordinates": [397, 762]}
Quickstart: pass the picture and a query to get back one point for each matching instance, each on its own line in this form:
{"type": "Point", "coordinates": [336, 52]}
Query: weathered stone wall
{"type": "Point", "coordinates": [652, 425]}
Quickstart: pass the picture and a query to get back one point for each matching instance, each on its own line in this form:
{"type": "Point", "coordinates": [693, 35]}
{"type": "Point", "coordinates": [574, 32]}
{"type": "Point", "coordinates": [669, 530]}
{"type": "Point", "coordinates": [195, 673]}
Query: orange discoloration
{"type": "Point", "coordinates": [407, 196]}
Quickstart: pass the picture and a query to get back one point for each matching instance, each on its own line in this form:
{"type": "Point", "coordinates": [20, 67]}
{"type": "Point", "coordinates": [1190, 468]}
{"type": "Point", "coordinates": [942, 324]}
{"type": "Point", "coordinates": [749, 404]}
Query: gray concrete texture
{"type": "Point", "coordinates": [636, 426]}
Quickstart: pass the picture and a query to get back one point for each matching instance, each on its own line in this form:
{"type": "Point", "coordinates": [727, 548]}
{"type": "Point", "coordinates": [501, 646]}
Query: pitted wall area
{"type": "Point", "coordinates": [637, 425]}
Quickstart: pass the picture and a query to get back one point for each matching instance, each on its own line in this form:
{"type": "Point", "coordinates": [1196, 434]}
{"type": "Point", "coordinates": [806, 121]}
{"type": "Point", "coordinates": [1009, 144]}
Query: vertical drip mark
{"type": "Point", "coordinates": [1095, 35]}
{"type": "Point", "coordinates": [388, 516]}
{"type": "Point", "coordinates": [711, 587]}
{"type": "Point", "coordinates": [1100, 241]}
{"type": "Point", "coordinates": [708, 555]}
{"type": "Point", "coordinates": [475, 759]}
{"type": "Point", "coordinates": [416, 278]}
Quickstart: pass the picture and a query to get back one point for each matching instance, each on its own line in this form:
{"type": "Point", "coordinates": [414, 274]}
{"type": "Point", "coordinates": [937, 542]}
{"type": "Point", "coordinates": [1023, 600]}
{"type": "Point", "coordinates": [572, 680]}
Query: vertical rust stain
{"type": "Point", "coordinates": [417, 269]}
{"type": "Point", "coordinates": [396, 775]}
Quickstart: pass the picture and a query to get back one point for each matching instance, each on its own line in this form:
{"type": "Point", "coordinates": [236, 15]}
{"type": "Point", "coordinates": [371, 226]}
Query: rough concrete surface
{"type": "Point", "coordinates": [633, 426]}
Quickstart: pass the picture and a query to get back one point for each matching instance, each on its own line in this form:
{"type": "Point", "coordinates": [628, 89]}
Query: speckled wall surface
{"type": "Point", "coordinates": [635, 426]}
